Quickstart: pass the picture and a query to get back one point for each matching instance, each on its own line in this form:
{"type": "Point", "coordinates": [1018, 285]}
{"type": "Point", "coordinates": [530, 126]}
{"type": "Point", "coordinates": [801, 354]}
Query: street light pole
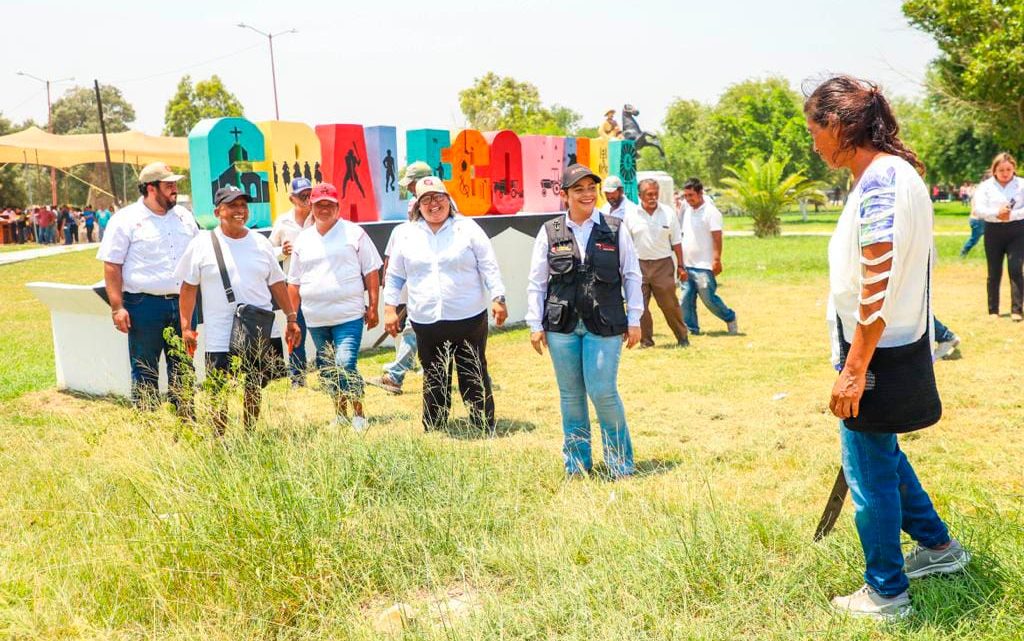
{"type": "Point", "coordinates": [273, 71]}
{"type": "Point", "coordinates": [49, 126]}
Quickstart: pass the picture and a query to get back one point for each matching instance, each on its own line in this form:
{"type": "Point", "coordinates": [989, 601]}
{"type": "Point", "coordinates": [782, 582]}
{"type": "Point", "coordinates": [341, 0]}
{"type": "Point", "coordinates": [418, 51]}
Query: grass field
{"type": "Point", "coordinates": [950, 217]}
{"type": "Point", "coordinates": [112, 529]}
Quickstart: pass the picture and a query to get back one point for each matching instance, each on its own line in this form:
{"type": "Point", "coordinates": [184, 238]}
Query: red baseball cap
{"type": "Point", "coordinates": [324, 191]}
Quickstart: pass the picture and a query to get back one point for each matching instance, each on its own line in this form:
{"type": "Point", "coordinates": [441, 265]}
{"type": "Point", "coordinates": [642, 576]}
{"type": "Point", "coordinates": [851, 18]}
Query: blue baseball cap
{"type": "Point", "coordinates": [301, 184]}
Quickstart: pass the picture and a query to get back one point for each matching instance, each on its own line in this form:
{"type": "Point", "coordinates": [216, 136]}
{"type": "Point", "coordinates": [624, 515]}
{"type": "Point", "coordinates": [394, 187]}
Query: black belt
{"type": "Point", "coordinates": [164, 296]}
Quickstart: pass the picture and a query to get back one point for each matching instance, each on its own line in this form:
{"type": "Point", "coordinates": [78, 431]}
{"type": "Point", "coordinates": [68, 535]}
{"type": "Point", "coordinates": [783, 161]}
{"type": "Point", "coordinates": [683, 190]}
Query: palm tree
{"type": "Point", "coordinates": [760, 189]}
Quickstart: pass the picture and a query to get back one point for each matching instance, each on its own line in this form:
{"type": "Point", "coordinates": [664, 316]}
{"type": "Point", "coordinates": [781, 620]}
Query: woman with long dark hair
{"type": "Point", "coordinates": [999, 202]}
{"type": "Point", "coordinates": [880, 258]}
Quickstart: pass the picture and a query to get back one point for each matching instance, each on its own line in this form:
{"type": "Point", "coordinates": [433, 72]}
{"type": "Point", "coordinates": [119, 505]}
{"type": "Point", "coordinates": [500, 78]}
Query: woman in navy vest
{"type": "Point", "coordinates": [581, 263]}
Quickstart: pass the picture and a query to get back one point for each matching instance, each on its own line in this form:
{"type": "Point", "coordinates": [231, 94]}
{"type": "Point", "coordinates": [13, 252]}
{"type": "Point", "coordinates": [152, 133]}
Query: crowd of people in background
{"type": "Point", "coordinates": [49, 225]}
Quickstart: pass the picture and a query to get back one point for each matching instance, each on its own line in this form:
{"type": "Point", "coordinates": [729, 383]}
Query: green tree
{"type": "Point", "coordinates": [981, 61]}
{"type": "Point", "coordinates": [190, 104]}
{"type": "Point", "coordinates": [499, 102]}
{"type": "Point", "coordinates": [75, 112]}
{"type": "Point", "coordinates": [683, 138]}
{"type": "Point", "coordinates": [760, 118]}
{"type": "Point", "coordinates": [762, 189]}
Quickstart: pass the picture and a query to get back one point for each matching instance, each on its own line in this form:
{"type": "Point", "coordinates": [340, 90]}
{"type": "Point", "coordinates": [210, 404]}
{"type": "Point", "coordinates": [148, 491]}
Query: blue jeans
{"type": "Point", "coordinates": [887, 497]}
{"type": "Point", "coordinates": [405, 356]}
{"type": "Point", "coordinates": [977, 231]}
{"type": "Point", "coordinates": [701, 282]}
{"type": "Point", "coordinates": [337, 350]}
{"type": "Point", "coordinates": [588, 365]}
{"type": "Point", "coordinates": [297, 358]}
{"type": "Point", "coordinates": [69, 234]}
{"type": "Point", "coordinates": [942, 333]}
{"type": "Point", "coordinates": [150, 316]}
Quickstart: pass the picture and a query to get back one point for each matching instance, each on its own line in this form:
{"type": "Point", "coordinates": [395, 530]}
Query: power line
{"type": "Point", "coordinates": [24, 102]}
{"type": "Point", "coordinates": [187, 68]}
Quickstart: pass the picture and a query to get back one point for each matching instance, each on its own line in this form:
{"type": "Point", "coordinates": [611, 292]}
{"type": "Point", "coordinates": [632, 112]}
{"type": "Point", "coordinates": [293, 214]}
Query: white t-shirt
{"type": "Point", "coordinates": [655, 234]}
{"type": "Point", "coordinates": [287, 230]}
{"type": "Point", "coordinates": [696, 227]}
{"type": "Point", "coordinates": [148, 246]}
{"type": "Point", "coordinates": [252, 268]}
{"type": "Point", "coordinates": [329, 271]}
{"type": "Point", "coordinates": [890, 204]}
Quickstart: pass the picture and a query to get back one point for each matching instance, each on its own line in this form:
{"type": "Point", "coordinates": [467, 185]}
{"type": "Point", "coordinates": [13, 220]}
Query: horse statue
{"type": "Point", "coordinates": [631, 131]}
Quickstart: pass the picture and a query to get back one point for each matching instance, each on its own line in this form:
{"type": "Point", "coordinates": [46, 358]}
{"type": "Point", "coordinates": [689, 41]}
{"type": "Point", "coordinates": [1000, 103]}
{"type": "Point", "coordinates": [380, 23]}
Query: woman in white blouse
{"type": "Point", "coordinates": [999, 201]}
{"type": "Point", "coordinates": [879, 270]}
{"type": "Point", "coordinates": [449, 266]}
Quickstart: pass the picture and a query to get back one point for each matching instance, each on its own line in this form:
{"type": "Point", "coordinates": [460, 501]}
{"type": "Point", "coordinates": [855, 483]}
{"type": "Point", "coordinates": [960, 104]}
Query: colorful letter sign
{"type": "Point", "coordinates": [221, 153]}
{"type": "Point", "coordinates": [542, 173]}
{"type": "Point", "coordinates": [382, 149]}
{"type": "Point", "coordinates": [291, 150]}
{"type": "Point", "coordinates": [469, 186]}
{"type": "Point", "coordinates": [506, 172]}
{"type": "Point", "coordinates": [343, 148]}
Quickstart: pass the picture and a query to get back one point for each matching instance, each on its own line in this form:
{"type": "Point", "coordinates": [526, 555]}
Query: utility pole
{"type": "Point", "coordinates": [273, 71]}
{"type": "Point", "coordinates": [49, 126]}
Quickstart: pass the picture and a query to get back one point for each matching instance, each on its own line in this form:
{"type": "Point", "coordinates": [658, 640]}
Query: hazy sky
{"type": "Point", "coordinates": [402, 63]}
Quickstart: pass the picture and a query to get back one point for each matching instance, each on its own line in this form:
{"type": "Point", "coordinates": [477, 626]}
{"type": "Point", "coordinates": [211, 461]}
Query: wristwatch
{"type": "Point", "coordinates": [499, 299]}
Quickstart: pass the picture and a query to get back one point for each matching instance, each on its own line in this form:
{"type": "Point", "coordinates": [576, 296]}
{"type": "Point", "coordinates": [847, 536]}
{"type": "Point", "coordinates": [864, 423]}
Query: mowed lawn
{"type": "Point", "coordinates": [112, 528]}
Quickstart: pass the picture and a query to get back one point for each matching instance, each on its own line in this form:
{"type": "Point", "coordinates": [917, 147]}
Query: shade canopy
{"type": "Point", "coordinates": [36, 147]}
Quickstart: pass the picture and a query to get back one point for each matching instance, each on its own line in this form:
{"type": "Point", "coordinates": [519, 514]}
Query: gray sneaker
{"type": "Point", "coordinates": [946, 348]}
{"type": "Point", "coordinates": [733, 327]}
{"type": "Point", "coordinates": [924, 561]}
{"type": "Point", "coordinates": [865, 602]}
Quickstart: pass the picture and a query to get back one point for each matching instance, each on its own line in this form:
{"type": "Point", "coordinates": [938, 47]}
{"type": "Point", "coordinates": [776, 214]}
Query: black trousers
{"type": "Point", "coordinates": [462, 343]}
{"type": "Point", "coordinates": [1005, 240]}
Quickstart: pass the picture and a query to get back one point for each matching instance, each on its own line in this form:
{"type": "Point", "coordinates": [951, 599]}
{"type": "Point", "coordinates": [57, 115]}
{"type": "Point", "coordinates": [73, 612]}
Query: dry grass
{"type": "Point", "coordinates": [111, 529]}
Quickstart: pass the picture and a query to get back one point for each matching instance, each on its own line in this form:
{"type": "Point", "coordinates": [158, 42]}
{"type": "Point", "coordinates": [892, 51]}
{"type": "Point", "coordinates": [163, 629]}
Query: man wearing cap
{"type": "Point", "coordinates": [581, 264]}
{"type": "Point", "coordinates": [256, 279]}
{"type": "Point", "coordinates": [286, 229]}
{"type": "Point", "coordinates": [405, 343]}
{"type": "Point", "coordinates": [614, 192]}
{"type": "Point", "coordinates": [655, 232]}
{"type": "Point", "coordinates": [334, 269]}
{"type": "Point", "coordinates": [142, 246]}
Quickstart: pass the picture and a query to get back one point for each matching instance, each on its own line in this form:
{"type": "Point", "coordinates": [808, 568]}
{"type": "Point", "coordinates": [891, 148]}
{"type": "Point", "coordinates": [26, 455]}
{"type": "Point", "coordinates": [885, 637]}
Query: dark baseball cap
{"type": "Point", "coordinates": [228, 194]}
{"type": "Point", "coordinates": [575, 173]}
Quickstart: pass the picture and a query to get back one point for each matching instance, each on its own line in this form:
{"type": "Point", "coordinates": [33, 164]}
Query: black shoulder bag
{"type": "Point", "coordinates": [251, 327]}
{"type": "Point", "coordinates": [900, 394]}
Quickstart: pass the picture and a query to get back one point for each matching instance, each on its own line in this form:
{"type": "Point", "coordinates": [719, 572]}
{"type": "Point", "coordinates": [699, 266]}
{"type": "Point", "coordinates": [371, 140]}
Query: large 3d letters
{"type": "Point", "coordinates": [382, 150]}
{"type": "Point", "coordinates": [583, 151]}
{"type": "Point", "coordinates": [598, 162]}
{"type": "Point", "coordinates": [222, 152]}
{"type": "Point", "coordinates": [291, 150]}
{"type": "Point", "coordinates": [469, 185]}
{"type": "Point", "coordinates": [426, 145]}
{"type": "Point", "coordinates": [622, 163]}
{"type": "Point", "coordinates": [542, 173]}
{"type": "Point", "coordinates": [346, 166]}
{"type": "Point", "coordinates": [506, 172]}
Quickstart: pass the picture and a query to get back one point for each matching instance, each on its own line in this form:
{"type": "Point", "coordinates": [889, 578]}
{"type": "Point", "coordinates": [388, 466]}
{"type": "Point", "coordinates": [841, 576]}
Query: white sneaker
{"type": "Point", "coordinates": [865, 602]}
{"type": "Point", "coordinates": [733, 327]}
{"type": "Point", "coordinates": [360, 424]}
{"type": "Point", "coordinates": [1016, 318]}
{"type": "Point", "coordinates": [945, 348]}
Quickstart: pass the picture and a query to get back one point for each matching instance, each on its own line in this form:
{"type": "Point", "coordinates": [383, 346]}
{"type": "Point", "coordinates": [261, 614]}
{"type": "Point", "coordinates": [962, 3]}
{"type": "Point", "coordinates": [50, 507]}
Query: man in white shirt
{"type": "Point", "coordinates": [286, 229]}
{"type": "Point", "coordinates": [654, 228]}
{"type": "Point", "coordinates": [140, 250]}
{"type": "Point", "coordinates": [334, 278]}
{"type": "Point", "coordinates": [618, 205]}
{"type": "Point", "coordinates": [256, 279]}
{"type": "Point", "coordinates": [701, 226]}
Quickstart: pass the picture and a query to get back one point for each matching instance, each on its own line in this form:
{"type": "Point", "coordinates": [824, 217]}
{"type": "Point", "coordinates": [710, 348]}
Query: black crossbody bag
{"type": "Point", "coordinates": [252, 326]}
{"type": "Point", "coordinates": [900, 394]}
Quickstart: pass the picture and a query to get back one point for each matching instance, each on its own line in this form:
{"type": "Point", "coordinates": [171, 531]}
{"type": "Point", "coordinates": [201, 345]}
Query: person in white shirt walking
{"type": "Point", "coordinates": [701, 226]}
{"type": "Point", "coordinates": [334, 270]}
{"type": "Point", "coordinates": [614, 192]}
{"type": "Point", "coordinates": [286, 229]}
{"type": "Point", "coordinates": [405, 343]}
{"type": "Point", "coordinates": [256, 279]}
{"type": "Point", "coordinates": [654, 229]}
{"type": "Point", "coordinates": [999, 201]}
{"type": "Point", "coordinates": [581, 264]}
{"type": "Point", "coordinates": [141, 248]}
{"type": "Point", "coordinates": [449, 266]}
